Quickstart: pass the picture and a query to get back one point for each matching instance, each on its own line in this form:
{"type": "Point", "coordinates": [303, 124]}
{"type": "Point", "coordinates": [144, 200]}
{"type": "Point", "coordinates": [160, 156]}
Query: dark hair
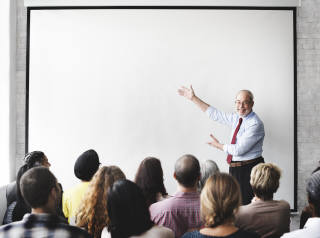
{"type": "Point", "coordinates": [149, 178]}
{"type": "Point", "coordinates": [36, 185]}
{"type": "Point", "coordinates": [34, 158]}
{"type": "Point", "coordinates": [313, 191]}
{"type": "Point", "coordinates": [86, 165]}
{"type": "Point", "coordinates": [187, 170]}
{"type": "Point", "coordinates": [31, 160]}
{"type": "Point", "coordinates": [127, 210]}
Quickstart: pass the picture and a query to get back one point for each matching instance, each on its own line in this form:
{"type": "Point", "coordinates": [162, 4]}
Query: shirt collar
{"type": "Point", "coordinates": [189, 194]}
{"type": "Point", "coordinates": [247, 116]}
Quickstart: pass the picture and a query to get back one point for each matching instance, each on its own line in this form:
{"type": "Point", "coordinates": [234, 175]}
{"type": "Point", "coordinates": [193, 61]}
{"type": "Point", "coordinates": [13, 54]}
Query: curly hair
{"type": "Point", "coordinates": [92, 214]}
{"type": "Point", "coordinates": [149, 178]}
{"type": "Point", "coordinates": [220, 199]}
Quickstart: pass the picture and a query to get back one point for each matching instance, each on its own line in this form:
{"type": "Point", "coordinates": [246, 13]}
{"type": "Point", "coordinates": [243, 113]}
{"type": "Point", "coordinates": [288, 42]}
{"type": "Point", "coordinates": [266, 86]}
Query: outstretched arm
{"type": "Point", "coordinates": [189, 94]}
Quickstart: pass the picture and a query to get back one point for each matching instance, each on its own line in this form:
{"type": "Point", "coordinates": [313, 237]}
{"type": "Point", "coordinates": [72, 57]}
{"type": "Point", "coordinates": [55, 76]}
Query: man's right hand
{"type": "Point", "coordinates": [186, 92]}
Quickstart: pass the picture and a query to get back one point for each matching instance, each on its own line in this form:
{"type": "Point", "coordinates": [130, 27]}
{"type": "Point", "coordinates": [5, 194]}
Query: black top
{"type": "Point", "coordinates": [238, 234]}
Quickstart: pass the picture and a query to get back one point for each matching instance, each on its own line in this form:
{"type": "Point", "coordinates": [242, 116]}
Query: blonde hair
{"type": "Point", "coordinates": [264, 180]}
{"type": "Point", "coordinates": [220, 199]}
{"type": "Point", "coordinates": [92, 214]}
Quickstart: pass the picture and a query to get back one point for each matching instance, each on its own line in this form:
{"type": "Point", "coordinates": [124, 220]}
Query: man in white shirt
{"type": "Point", "coordinates": [245, 149]}
{"type": "Point", "coordinates": [312, 227]}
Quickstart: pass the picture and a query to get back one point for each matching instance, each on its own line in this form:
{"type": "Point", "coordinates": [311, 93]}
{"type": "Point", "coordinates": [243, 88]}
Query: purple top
{"type": "Point", "coordinates": [180, 213]}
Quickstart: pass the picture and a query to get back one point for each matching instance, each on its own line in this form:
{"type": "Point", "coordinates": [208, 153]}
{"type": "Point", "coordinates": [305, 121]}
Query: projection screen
{"type": "Point", "coordinates": [107, 79]}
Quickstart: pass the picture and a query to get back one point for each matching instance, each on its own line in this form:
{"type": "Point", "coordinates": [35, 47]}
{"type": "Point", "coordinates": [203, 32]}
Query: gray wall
{"type": "Point", "coordinates": [308, 83]}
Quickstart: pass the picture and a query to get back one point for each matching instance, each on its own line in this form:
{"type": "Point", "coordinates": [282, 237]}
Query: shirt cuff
{"type": "Point", "coordinates": [225, 148]}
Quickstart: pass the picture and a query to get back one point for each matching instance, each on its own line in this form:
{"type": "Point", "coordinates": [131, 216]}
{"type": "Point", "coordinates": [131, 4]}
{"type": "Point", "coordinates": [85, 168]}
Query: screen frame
{"type": "Point", "coordinates": [293, 9]}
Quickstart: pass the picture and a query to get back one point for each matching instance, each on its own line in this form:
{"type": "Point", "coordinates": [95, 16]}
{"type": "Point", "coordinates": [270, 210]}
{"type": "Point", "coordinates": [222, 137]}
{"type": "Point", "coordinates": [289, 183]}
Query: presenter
{"type": "Point", "coordinates": [245, 147]}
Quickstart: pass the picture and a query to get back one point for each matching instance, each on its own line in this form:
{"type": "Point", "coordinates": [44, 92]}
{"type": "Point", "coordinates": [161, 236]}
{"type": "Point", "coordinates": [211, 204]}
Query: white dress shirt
{"type": "Point", "coordinates": [250, 136]}
{"type": "Point", "coordinates": [311, 230]}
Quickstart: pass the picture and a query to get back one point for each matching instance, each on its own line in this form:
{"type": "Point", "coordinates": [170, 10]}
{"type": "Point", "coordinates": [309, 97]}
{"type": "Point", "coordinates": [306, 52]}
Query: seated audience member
{"type": "Point", "coordinates": [220, 199]}
{"type": "Point", "coordinates": [207, 168]}
{"type": "Point", "coordinates": [41, 191]}
{"type": "Point", "coordinates": [149, 178]}
{"type": "Point", "coordinates": [265, 216]}
{"type": "Point", "coordinates": [129, 215]}
{"type": "Point", "coordinates": [306, 212]}
{"type": "Point", "coordinates": [181, 212]}
{"type": "Point", "coordinates": [17, 207]}
{"type": "Point", "coordinates": [92, 213]}
{"type": "Point", "coordinates": [312, 226]}
{"type": "Point", "coordinates": [85, 167]}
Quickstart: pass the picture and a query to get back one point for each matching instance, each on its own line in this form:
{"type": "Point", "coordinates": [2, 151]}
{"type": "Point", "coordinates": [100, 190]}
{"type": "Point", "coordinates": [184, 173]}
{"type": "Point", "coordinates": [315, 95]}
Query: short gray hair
{"type": "Point", "coordinates": [208, 168]}
{"type": "Point", "coordinates": [248, 92]}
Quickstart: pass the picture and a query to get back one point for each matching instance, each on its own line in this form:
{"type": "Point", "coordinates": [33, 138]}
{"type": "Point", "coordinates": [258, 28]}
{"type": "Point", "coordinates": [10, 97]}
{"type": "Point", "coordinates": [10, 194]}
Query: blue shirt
{"type": "Point", "coordinates": [250, 136]}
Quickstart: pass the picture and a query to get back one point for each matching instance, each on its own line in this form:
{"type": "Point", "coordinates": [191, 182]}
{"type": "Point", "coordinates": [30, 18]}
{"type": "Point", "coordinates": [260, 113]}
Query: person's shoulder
{"type": "Point", "coordinates": [193, 234]}
{"type": "Point", "coordinates": [162, 231]}
{"type": "Point", "coordinates": [244, 234]}
{"type": "Point", "coordinates": [162, 204]}
{"type": "Point", "coordinates": [77, 230]}
{"type": "Point", "coordinates": [247, 209]}
{"type": "Point", "coordinates": [296, 234]}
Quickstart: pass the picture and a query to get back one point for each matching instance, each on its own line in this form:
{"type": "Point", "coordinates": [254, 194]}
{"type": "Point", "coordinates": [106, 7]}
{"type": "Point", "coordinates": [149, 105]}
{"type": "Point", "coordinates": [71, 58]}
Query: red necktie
{"type": "Point", "coordinates": [233, 141]}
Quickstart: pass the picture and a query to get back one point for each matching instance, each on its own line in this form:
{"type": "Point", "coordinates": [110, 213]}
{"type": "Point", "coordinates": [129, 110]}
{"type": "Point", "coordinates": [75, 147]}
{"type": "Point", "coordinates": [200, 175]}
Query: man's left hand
{"type": "Point", "coordinates": [215, 143]}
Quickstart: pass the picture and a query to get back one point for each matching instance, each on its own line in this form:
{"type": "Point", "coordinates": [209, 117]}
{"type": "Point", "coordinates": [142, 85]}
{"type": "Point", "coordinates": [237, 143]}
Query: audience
{"type": "Point", "coordinates": [149, 178]}
{"type": "Point", "coordinates": [92, 213]}
{"type": "Point", "coordinates": [208, 168]}
{"type": "Point", "coordinates": [42, 193]}
{"type": "Point", "coordinates": [129, 214]}
{"type": "Point", "coordinates": [220, 199]}
{"type": "Point", "coordinates": [181, 212]}
{"type": "Point", "coordinates": [17, 207]}
{"type": "Point", "coordinates": [312, 226]}
{"type": "Point", "coordinates": [265, 216]}
{"type": "Point", "coordinates": [85, 167]}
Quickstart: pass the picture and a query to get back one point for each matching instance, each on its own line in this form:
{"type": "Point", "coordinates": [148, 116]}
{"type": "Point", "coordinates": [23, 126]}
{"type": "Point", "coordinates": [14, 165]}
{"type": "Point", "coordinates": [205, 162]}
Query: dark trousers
{"type": "Point", "coordinates": [242, 175]}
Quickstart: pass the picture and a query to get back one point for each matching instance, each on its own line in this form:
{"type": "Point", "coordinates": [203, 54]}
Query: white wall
{"type": "Point", "coordinates": [7, 88]}
{"type": "Point", "coordinates": [109, 78]}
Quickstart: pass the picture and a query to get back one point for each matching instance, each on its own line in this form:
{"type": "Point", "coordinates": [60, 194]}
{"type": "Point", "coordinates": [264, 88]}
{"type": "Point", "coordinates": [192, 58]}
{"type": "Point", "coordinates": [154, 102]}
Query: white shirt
{"type": "Point", "coordinates": [250, 136]}
{"type": "Point", "coordinates": [311, 230]}
{"type": "Point", "coordinates": [154, 232]}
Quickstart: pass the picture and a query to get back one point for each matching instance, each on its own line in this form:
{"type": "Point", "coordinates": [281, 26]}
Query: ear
{"type": "Point", "coordinates": [175, 176]}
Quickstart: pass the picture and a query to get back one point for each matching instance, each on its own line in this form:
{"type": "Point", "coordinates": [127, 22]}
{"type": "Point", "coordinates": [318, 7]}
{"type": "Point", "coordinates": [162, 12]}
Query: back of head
{"type": "Point", "coordinates": [187, 170]}
{"type": "Point", "coordinates": [92, 213]}
{"type": "Point", "coordinates": [313, 191]}
{"type": "Point", "coordinates": [220, 199]}
{"type": "Point", "coordinates": [31, 160]}
{"type": "Point", "coordinates": [36, 185]}
{"type": "Point", "coordinates": [149, 178]}
{"type": "Point", "coordinates": [127, 209]}
{"type": "Point", "coordinates": [86, 165]}
{"type": "Point", "coordinates": [264, 180]}
{"type": "Point", "coordinates": [208, 168]}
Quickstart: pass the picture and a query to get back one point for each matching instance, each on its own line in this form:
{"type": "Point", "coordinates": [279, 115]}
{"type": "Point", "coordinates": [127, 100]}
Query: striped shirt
{"type": "Point", "coordinates": [180, 213]}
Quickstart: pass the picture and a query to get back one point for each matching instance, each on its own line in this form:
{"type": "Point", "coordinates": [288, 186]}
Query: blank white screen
{"type": "Point", "coordinates": [107, 79]}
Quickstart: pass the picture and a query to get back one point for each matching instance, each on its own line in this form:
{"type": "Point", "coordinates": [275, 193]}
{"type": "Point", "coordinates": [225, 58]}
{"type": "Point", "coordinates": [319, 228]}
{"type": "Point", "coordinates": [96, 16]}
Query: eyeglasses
{"type": "Point", "coordinates": [246, 103]}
